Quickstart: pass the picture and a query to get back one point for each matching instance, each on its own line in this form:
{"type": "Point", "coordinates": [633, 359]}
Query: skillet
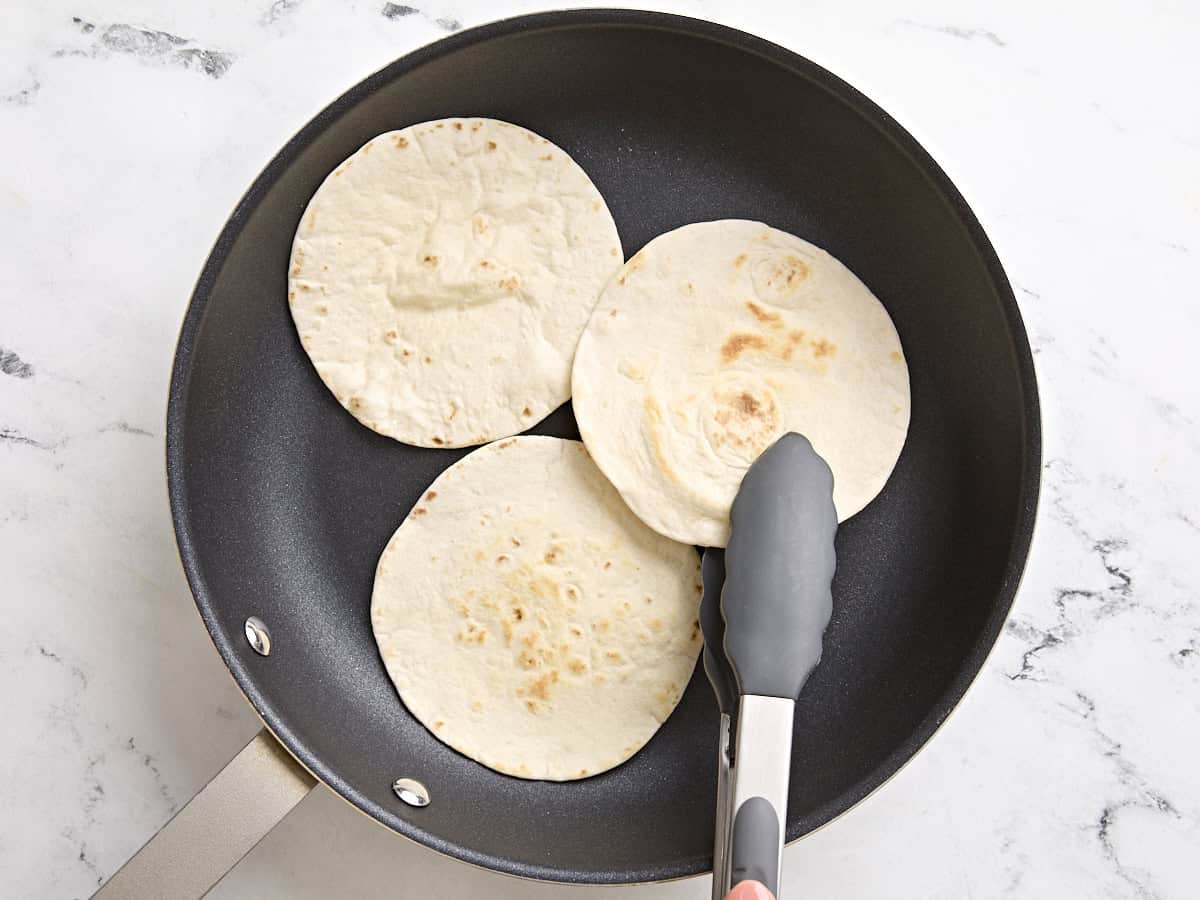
{"type": "Point", "coordinates": [282, 502]}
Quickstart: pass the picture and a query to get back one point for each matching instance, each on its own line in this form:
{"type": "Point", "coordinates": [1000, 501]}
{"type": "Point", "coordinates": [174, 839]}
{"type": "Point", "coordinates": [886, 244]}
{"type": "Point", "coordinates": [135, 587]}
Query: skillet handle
{"type": "Point", "coordinates": [216, 828]}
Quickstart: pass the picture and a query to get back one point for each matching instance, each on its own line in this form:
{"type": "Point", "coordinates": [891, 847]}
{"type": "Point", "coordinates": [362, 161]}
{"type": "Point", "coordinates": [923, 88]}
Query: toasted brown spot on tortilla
{"type": "Point", "coordinates": [746, 404]}
{"type": "Point", "coordinates": [509, 284]}
{"type": "Point", "coordinates": [401, 141]}
{"type": "Point", "coordinates": [507, 443]}
{"type": "Point", "coordinates": [740, 260]}
{"type": "Point", "coordinates": [546, 157]}
{"type": "Point", "coordinates": [291, 296]}
{"type": "Point", "coordinates": [519, 613]}
{"type": "Point", "coordinates": [531, 705]}
{"type": "Point", "coordinates": [793, 271]}
{"type": "Point", "coordinates": [438, 724]}
{"type": "Point", "coordinates": [654, 419]}
{"type": "Point", "coordinates": [614, 655]}
{"type": "Point", "coordinates": [823, 348]}
{"type": "Point", "coordinates": [528, 660]}
{"type": "Point", "coordinates": [526, 411]}
{"type": "Point", "coordinates": [552, 553]}
{"type": "Point", "coordinates": [440, 125]}
{"type": "Point", "coordinates": [391, 335]}
{"type": "Point", "coordinates": [476, 706]}
{"type": "Point", "coordinates": [428, 359]}
{"type": "Point", "coordinates": [430, 261]}
{"type": "Point", "coordinates": [540, 687]}
{"type": "Point", "coordinates": [763, 315]}
{"type": "Point", "coordinates": [438, 441]}
{"type": "Point", "coordinates": [458, 126]}
{"type": "Point", "coordinates": [491, 145]}
{"type": "Point", "coordinates": [419, 511]}
{"type": "Point", "coordinates": [484, 264]}
{"type": "Point", "coordinates": [612, 313]}
{"type": "Point", "coordinates": [613, 252]}
{"type": "Point", "coordinates": [355, 403]}
{"type": "Point", "coordinates": [502, 558]}
{"type": "Point", "coordinates": [739, 343]}
{"type": "Point", "coordinates": [578, 666]}
{"type": "Point", "coordinates": [895, 356]}
{"type": "Point", "coordinates": [608, 565]}
{"type": "Point", "coordinates": [367, 148]}
{"type": "Point", "coordinates": [476, 126]}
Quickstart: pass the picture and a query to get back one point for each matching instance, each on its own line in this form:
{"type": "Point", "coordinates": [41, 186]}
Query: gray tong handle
{"type": "Point", "coordinates": [763, 762]}
{"type": "Point", "coordinates": [724, 684]}
{"type": "Point", "coordinates": [721, 857]}
{"type": "Point", "coordinates": [776, 602]}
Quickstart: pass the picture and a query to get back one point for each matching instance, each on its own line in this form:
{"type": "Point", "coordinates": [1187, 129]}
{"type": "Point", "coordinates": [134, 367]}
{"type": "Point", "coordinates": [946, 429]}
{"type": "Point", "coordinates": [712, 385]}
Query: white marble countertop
{"type": "Point", "coordinates": [130, 129]}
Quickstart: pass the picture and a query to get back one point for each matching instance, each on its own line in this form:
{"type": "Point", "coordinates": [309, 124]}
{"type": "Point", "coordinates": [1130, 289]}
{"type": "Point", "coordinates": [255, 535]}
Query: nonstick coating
{"type": "Point", "coordinates": [283, 502]}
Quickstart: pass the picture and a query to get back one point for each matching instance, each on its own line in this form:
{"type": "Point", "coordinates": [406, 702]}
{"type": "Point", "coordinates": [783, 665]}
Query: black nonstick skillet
{"type": "Point", "coordinates": [282, 502]}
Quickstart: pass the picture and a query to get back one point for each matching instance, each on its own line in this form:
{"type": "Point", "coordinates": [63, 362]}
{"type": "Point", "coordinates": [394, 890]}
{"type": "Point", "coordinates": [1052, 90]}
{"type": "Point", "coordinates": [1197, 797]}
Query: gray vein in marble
{"type": "Point", "coordinates": [279, 9]}
{"type": "Point", "coordinates": [1186, 655]}
{"type": "Point", "coordinates": [966, 34]}
{"type": "Point", "coordinates": [125, 428]}
{"type": "Point", "coordinates": [11, 364]}
{"type": "Point", "coordinates": [15, 438]}
{"type": "Point", "coordinates": [399, 11]}
{"type": "Point", "coordinates": [65, 714]}
{"type": "Point", "coordinates": [1143, 796]}
{"type": "Point", "coordinates": [151, 765]}
{"type": "Point", "coordinates": [22, 97]}
{"type": "Point", "coordinates": [1073, 605]}
{"type": "Point", "coordinates": [151, 45]}
{"type": "Point", "coordinates": [71, 835]}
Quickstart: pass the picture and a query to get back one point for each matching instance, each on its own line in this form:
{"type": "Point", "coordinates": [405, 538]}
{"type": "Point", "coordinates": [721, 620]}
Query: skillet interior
{"type": "Point", "coordinates": [282, 502]}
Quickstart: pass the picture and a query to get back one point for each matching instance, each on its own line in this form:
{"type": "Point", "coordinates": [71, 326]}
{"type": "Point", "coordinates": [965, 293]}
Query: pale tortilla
{"type": "Point", "coordinates": [529, 619]}
{"type": "Point", "coordinates": [714, 340]}
{"type": "Point", "coordinates": [441, 276]}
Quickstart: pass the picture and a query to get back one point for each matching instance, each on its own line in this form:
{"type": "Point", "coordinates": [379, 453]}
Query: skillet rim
{"type": "Point", "coordinates": [1022, 530]}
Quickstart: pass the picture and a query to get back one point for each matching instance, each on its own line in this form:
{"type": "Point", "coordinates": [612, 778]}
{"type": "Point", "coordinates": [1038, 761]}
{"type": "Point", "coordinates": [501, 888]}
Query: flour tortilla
{"type": "Point", "coordinates": [529, 619]}
{"type": "Point", "coordinates": [714, 340]}
{"type": "Point", "coordinates": [441, 276]}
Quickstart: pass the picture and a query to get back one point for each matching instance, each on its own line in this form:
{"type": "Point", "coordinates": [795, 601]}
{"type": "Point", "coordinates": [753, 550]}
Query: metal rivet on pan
{"type": "Point", "coordinates": [258, 636]}
{"type": "Point", "coordinates": [411, 791]}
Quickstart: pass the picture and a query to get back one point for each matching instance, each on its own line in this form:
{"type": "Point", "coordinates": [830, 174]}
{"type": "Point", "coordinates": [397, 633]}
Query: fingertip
{"type": "Point", "coordinates": [750, 890]}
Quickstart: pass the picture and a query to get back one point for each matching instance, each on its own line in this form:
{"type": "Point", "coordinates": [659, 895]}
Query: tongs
{"type": "Point", "coordinates": [765, 606]}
